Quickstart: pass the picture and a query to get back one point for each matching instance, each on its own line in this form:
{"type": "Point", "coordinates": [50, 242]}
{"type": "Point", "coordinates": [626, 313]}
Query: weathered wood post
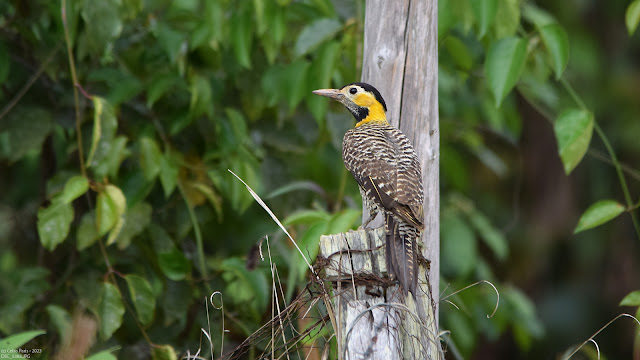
{"type": "Point", "coordinates": [375, 320]}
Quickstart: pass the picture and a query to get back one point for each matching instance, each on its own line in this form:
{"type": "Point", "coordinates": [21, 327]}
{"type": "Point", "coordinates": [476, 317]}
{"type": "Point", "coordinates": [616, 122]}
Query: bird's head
{"type": "Point", "coordinates": [363, 101]}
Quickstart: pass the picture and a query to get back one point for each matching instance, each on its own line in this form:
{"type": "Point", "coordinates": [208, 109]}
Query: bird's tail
{"type": "Point", "coordinates": [402, 258]}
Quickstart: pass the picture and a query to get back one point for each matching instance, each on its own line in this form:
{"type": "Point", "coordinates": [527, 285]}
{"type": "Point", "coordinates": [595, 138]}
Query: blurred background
{"type": "Point", "coordinates": [120, 119]}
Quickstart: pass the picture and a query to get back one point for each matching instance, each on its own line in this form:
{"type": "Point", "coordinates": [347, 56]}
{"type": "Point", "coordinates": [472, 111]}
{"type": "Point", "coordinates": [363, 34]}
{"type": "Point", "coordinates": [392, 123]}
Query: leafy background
{"type": "Point", "coordinates": [119, 120]}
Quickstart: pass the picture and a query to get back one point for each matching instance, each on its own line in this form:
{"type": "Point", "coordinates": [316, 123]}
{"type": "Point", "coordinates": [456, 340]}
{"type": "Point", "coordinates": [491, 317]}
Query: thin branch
{"type": "Point", "coordinates": [74, 79]}
{"type": "Point", "coordinates": [29, 83]}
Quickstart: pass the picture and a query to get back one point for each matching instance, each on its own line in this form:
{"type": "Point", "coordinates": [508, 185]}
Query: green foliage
{"type": "Point", "coordinates": [120, 120]}
{"type": "Point", "coordinates": [598, 214]}
{"type": "Point", "coordinates": [142, 297]}
{"type": "Point", "coordinates": [557, 43]}
{"type": "Point", "coordinates": [131, 143]}
{"type": "Point", "coordinates": [502, 64]}
{"type": "Point", "coordinates": [110, 310]}
{"type": "Point", "coordinates": [103, 355]}
{"type": "Point", "coordinates": [632, 17]}
{"type": "Point", "coordinates": [13, 342]}
{"type": "Point", "coordinates": [505, 62]}
{"type": "Point", "coordinates": [573, 129]}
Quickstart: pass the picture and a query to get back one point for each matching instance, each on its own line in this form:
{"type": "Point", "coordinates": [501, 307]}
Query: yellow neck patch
{"type": "Point", "coordinates": [376, 111]}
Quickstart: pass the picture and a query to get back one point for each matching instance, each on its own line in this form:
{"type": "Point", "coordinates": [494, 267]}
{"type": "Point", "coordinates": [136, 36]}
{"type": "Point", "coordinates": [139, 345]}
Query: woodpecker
{"type": "Point", "coordinates": [384, 163]}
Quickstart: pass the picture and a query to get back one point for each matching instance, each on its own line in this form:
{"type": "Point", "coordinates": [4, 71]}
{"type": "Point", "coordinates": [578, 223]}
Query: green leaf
{"type": "Point", "coordinates": [125, 89]}
{"type": "Point", "coordinates": [573, 130]}
{"type": "Point", "coordinates": [104, 126]}
{"type": "Point", "coordinates": [142, 296]}
{"type": "Point", "coordinates": [136, 219]}
{"type": "Point", "coordinates": [343, 221]}
{"type": "Point", "coordinates": [446, 17]}
{"type": "Point", "coordinates": [54, 223]}
{"type": "Point", "coordinates": [15, 341]}
{"type": "Point", "coordinates": [238, 125]}
{"type": "Point", "coordinates": [87, 232]}
{"type": "Point", "coordinates": [526, 323]}
{"type": "Point", "coordinates": [111, 205]}
{"type": "Point", "coordinates": [103, 355]}
{"type": "Point", "coordinates": [462, 330]}
{"type": "Point", "coordinates": [294, 186]}
{"type": "Point", "coordinates": [309, 243]}
{"type": "Point", "coordinates": [163, 352]}
{"type": "Point", "coordinates": [632, 16]}
{"type": "Point", "coordinates": [507, 18]}
{"type": "Point", "coordinates": [241, 37]}
{"type": "Point", "coordinates": [459, 52]}
{"type": "Point", "coordinates": [485, 12]}
{"type": "Point", "coordinates": [169, 172]}
{"type": "Point", "coordinates": [115, 231]}
{"type": "Point", "coordinates": [174, 303]}
{"type": "Point", "coordinates": [173, 42]}
{"type": "Point", "coordinates": [322, 69]}
{"type": "Point", "coordinates": [212, 196]}
{"type": "Point", "coordinates": [491, 236]}
{"type": "Point", "coordinates": [110, 310]}
{"type": "Point", "coordinates": [504, 64]}
{"type": "Point", "coordinates": [111, 157]}
{"type": "Point", "coordinates": [535, 15]}
{"type": "Point", "coordinates": [557, 43]}
{"type": "Point", "coordinates": [458, 247]}
{"type": "Point", "coordinates": [75, 187]}
{"type": "Point", "coordinates": [107, 150]}
{"type": "Point", "coordinates": [26, 128]}
{"type": "Point", "coordinates": [306, 217]}
{"type": "Point", "coordinates": [201, 102]}
{"type": "Point", "coordinates": [20, 287]}
{"type": "Point", "coordinates": [632, 299]}
{"type": "Point", "coordinates": [150, 158]}
{"type": "Point", "coordinates": [598, 214]}
{"type": "Point", "coordinates": [277, 27]}
{"type": "Point", "coordinates": [295, 76]}
{"type": "Point", "coordinates": [159, 86]}
{"type": "Point", "coordinates": [60, 319]}
{"type": "Point", "coordinates": [247, 286]}
{"type": "Point", "coordinates": [102, 25]}
{"type": "Point", "coordinates": [174, 264]}
{"type": "Point", "coordinates": [315, 34]}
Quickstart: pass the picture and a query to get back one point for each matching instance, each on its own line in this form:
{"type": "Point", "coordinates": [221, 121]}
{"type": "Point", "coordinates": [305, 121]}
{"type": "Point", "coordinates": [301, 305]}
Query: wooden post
{"type": "Point", "coordinates": [376, 321]}
{"type": "Point", "coordinates": [401, 60]}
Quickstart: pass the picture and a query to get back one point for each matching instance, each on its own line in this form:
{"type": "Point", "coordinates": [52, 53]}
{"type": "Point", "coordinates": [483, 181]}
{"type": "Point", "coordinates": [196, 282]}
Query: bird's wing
{"type": "Point", "coordinates": [386, 167]}
{"type": "Point", "coordinates": [381, 180]}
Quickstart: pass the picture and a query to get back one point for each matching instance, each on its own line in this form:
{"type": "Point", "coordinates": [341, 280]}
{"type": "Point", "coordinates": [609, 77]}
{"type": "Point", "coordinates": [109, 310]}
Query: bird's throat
{"type": "Point", "coordinates": [372, 114]}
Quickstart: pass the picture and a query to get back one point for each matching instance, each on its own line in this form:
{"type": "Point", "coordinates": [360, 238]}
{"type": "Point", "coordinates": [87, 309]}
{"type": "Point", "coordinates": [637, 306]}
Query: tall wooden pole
{"type": "Point", "coordinates": [374, 319]}
{"type": "Point", "coordinates": [400, 59]}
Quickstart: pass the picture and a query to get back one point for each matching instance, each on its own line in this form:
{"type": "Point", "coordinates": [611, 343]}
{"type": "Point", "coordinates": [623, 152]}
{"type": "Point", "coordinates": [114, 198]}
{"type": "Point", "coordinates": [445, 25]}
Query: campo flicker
{"type": "Point", "coordinates": [384, 163]}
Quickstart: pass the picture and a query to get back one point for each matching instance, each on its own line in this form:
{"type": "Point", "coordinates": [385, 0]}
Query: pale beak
{"type": "Point", "coordinates": [331, 93]}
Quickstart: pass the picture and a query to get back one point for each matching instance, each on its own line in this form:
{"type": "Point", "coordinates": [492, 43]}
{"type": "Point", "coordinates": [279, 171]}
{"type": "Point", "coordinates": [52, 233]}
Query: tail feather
{"type": "Point", "coordinates": [401, 253]}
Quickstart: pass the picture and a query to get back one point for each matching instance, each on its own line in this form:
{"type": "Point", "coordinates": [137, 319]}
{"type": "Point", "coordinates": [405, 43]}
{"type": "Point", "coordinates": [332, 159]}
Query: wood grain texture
{"type": "Point", "coordinates": [419, 121]}
{"type": "Point", "coordinates": [400, 59]}
{"type": "Point", "coordinates": [375, 320]}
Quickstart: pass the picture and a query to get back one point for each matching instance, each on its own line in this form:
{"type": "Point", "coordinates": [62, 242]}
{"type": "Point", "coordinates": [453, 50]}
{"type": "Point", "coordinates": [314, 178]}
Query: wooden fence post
{"type": "Point", "coordinates": [375, 320]}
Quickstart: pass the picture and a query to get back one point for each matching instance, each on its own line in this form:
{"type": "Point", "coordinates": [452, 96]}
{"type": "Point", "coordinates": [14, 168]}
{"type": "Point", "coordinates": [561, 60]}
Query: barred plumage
{"type": "Point", "coordinates": [384, 163]}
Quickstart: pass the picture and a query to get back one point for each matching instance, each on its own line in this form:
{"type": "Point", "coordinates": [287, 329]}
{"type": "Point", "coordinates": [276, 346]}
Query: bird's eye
{"type": "Point", "coordinates": [353, 90]}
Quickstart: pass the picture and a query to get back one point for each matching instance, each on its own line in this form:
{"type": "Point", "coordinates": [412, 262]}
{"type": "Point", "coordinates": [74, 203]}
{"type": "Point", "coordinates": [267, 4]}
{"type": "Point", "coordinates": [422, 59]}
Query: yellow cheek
{"type": "Point", "coordinates": [363, 100]}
